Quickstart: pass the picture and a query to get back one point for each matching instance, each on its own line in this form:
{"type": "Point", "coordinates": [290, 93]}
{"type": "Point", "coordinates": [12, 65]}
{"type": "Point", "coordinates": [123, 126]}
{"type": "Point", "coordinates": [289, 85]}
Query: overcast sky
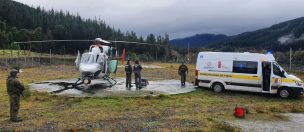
{"type": "Point", "coordinates": [181, 18]}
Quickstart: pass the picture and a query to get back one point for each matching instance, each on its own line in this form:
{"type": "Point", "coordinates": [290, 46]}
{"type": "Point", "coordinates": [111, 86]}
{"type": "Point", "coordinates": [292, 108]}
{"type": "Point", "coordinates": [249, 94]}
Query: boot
{"type": "Point", "coordinates": [16, 120]}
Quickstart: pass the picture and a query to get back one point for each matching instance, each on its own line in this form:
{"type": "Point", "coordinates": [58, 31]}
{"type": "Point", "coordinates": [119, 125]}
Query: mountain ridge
{"type": "Point", "coordinates": [278, 37]}
{"type": "Point", "coordinates": [196, 41]}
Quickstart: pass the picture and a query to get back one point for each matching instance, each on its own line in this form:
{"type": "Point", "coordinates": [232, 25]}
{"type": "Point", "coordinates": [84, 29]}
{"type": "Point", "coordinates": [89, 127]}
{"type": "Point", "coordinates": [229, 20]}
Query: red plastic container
{"type": "Point", "coordinates": [239, 112]}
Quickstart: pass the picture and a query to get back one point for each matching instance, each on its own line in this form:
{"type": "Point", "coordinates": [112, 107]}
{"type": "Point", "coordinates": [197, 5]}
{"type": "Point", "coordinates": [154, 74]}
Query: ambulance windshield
{"type": "Point", "coordinates": [278, 70]}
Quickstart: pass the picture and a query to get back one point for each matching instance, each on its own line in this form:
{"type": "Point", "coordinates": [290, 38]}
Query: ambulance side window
{"type": "Point", "coordinates": [248, 67]}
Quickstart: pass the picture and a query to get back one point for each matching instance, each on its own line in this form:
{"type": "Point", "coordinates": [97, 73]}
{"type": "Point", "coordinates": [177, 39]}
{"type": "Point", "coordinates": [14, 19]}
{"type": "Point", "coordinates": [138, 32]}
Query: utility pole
{"type": "Point", "coordinates": [116, 48]}
{"type": "Point", "coordinates": [156, 54]}
{"type": "Point", "coordinates": [40, 54]}
{"type": "Point", "coordinates": [11, 49]}
{"type": "Point", "coordinates": [188, 53]}
{"type": "Point", "coordinates": [64, 55]}
{"type": "Point", "coordinates": [290, 58]}
{"type": "Point", "coordinates": [50, 56]}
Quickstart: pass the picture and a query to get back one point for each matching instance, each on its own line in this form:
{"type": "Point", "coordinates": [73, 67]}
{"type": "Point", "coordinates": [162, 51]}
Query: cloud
{"type": "Point", "coordinates": [287, 39]}
{"type": "Point", "coordinates": [181, 18]}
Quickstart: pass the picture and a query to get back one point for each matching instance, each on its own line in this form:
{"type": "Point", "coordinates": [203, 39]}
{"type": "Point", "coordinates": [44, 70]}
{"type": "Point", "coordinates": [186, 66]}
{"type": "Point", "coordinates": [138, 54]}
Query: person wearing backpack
{"type": "Point", "coordinates": [182, 70]}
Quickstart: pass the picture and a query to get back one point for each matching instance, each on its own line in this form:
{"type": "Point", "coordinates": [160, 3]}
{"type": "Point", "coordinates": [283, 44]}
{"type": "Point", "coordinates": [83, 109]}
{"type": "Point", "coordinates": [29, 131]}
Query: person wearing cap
{"type": "Point", "coordinates": [14, 89]}
{"type": "Point", "coordinates": [137, 69]}
{"type": "Point", "coordinates": [182, 70]}
{"type": "Point", "coordinates": [128, 70]}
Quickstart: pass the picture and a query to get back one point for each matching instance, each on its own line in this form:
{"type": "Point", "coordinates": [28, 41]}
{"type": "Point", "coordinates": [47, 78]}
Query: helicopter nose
{"type": "Point", "coordinates": [88, 68]}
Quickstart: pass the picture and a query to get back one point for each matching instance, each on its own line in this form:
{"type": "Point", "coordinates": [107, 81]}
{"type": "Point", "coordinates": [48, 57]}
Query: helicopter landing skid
{"type": "Point", "coordinates": [77, 83]}
{"type": "Point", "coordinates": [73, 86]}
{"type": "Point", "coordinates": [66, 88]}
{"type": "Point", "coordinates": [81, 81]}
{"type": "Point", "coordinates": [110, 80]}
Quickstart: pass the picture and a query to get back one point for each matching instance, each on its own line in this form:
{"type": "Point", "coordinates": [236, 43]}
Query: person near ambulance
{"type": "Point", "coordinates": [182, 71]}
{"type": "Point", "coordinates": [266, 77]}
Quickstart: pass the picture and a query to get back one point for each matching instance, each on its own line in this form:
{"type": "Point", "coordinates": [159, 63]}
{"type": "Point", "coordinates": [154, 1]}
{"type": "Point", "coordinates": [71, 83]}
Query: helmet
{"type": "Point", "coordinates": [13, 72]}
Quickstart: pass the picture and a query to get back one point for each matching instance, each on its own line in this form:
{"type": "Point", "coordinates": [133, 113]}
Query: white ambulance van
{"type": "Point", "coordinates": [252, 72]}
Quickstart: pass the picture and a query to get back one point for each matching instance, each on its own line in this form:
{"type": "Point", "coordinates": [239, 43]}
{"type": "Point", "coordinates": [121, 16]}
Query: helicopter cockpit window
{"type": "Point", "coordinates": [85, 58]}
{"type": "Point", "coordinates": [96, 49]}
{"type": "Point", "coordinates": [89, 58]}
{"type": "Point", "coordinates": [100, 59]}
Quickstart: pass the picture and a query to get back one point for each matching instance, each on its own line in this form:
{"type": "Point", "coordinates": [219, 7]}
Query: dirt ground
{"type": "Point", "coordinates": [200, 110]}
{"type": "Point", "coordinates": [290, 122]}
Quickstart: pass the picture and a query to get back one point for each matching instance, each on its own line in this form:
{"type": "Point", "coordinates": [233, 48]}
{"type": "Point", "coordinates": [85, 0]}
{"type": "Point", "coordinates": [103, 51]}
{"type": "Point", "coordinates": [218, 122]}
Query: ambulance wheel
{"type": "Point", "coordinates": [218, 87]}
{"type": "Point", "coordinates": [284, 93]}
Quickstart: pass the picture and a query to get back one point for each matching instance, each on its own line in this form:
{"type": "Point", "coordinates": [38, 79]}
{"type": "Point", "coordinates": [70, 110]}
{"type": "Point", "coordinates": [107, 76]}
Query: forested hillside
{"type": "Point", "coordinates": [279, 37]}
{"type": "Point", "coordinates": [19, 22]}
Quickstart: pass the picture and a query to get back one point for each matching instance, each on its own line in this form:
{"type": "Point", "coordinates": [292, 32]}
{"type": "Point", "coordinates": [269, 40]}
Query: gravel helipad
{"type": "Point", "coordinates": [99, 88]}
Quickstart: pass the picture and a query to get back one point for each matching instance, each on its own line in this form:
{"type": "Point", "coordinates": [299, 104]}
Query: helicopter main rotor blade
{"type": "Point", "coordinates": [140, 43]}
{"type": "Point", "coordinates": [48, 41]}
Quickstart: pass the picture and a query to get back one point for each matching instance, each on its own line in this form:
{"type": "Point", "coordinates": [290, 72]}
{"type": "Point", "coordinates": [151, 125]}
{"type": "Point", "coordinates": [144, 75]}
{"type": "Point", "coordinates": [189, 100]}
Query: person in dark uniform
{"type": "Point", "coordinates": [182, 70]}
{"type": "Point", "coordinates": [266, 77]}
{"type": "Point", "coordinates": [128, 70]}
{"type": "Point", "coordinates": [137, 68]}
{"type": "Point", "coordinates": [14, 89]}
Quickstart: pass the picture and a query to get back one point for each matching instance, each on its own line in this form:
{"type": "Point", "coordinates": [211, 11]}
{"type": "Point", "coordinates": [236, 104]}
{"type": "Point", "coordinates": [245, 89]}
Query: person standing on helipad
{"type": "Point", "coordinates": [14, 89]}
{"type": "Point", "coordinates": [128, 70]}
{"type": "Point", "coordinates": [137, 69]}
{"type": "Point", "coordinates": [182, 72]}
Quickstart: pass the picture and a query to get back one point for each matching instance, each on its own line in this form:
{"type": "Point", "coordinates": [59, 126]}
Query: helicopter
{"type": "Point", "coordinates": [97, 63]}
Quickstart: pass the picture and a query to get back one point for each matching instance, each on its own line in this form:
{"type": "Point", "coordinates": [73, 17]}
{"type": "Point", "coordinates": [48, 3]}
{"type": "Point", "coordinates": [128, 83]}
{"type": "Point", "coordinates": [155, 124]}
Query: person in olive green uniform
{"type": "Point", "coordinates": [182, 70]}
{"type": "Point", "coordinates": [14, 89]}
{"type": "Point", "coordinates": [137, 69]}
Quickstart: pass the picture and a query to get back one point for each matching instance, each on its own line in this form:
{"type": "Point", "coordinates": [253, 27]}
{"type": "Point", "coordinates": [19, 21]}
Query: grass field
{"type": "Point", "coordinates": [199, 110]}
